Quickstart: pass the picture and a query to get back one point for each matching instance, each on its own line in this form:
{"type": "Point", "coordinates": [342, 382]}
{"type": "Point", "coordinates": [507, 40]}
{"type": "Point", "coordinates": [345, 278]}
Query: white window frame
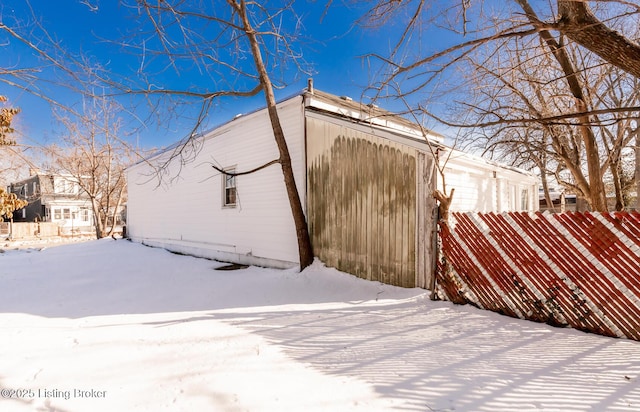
{"type": "Point", "coordinates": [229, 185]}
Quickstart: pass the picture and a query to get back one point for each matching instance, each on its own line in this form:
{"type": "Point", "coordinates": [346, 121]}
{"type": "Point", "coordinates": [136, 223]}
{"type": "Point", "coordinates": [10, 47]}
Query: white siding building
{"type": "Point", "coordinates": [188, 214]}
{"type": "Point", "coordinates": [485, 186]}
{"type": "Point", "coordinates": [364, 175]}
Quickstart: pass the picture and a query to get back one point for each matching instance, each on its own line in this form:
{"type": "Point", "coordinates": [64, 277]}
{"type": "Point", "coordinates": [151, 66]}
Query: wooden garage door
{"type": "Point", "coordinates": [361, 203]}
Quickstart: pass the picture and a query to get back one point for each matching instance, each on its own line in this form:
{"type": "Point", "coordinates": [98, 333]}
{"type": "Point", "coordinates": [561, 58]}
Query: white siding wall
{"type": "Point", "coordinates": [485, 187]}
{"type": "Point", "coordinates": [187, 214]}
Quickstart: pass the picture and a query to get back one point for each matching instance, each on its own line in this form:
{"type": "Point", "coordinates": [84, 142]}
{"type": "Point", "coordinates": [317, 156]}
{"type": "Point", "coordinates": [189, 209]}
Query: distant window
{"type": "Point", "coordinates": [65, 186]}
{"type": "Point", "coordinates": [58, 185]}
{"type": "Point", "coordinates": [66, 214]}
{"type": "Point", "coordinates": [57, 214]}
{"type": "Point", "coordinates": [230, 189]}
{"type": "Point", "coordinates": [84, 214]}
{"type": "Point", "coordinates": [524, 200]}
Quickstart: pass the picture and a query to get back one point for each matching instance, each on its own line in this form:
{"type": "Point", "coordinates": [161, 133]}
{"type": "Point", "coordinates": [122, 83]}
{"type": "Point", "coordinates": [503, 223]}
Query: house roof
{"type": "Point", "coordinates": [371, 114]}
{"type": "Point", "coordinates": [347, 108]}
{"type": "Point", "coordinates": [341, 106]}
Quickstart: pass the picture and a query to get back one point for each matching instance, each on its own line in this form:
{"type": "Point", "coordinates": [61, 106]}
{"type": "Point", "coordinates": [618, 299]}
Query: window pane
{"type": "Point", "coordinates": [229, 189]}
{"type": "Point", "coordinates": [230, 197]}
{"type": "Point", "coordinates": [524, 200]}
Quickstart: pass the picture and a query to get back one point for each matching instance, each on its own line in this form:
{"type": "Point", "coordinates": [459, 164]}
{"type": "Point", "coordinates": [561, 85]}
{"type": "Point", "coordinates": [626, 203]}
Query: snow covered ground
{"type": "Point", "coordinates": [115, 326]}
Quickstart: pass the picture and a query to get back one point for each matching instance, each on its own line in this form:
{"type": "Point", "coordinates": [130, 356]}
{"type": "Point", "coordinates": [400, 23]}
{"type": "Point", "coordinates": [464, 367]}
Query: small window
{"type": "Point", "coordinates": [57, 214]}
{"type": "Point", "coordinates": [84, 214]}
{"type": "Point", "coordinates": [66, 214]}
{"type": "Point", "coordinates": [230, 190]}
{"type": "Point", "coordinates": [524, 200]}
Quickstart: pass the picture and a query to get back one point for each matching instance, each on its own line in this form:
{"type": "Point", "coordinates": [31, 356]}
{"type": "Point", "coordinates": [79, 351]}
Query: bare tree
{"type": "Point", "coordinates": [95, 157]}
{"type": "Point", "coordinates": [618, 130]}
{"type": "Point", "coordinates": [594, 191]}
{"type": "Point", "coordinates": [219, 39]}
{"type": "Point", "coordinates": [555, 118]}
{"type": "Point", "coordinates": [573, 18]}
{"type": "Point", "coordinates": [519, 91]}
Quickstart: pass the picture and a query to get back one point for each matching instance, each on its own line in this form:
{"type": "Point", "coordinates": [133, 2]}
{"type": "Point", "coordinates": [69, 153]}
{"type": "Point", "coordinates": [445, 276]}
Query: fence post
{"type": "Point", "coordinates": [435, 218]}
{"type": "Point", "coordinates": [637, 166]}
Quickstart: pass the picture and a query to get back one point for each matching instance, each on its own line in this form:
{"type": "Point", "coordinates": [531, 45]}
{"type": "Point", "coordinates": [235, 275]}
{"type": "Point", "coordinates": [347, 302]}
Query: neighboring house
{"type": "Point", "coordinates": [365, 176]}
{"type": "Point", "coordinates": [54, 198]}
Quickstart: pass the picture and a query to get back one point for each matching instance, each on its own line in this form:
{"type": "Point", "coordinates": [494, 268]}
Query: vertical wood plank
{"type": "Point", "coordinates": [411, 221]}
{"type": "Point", "coordinates": [377, 212]}
{"type": "Point", "coordinates": [392, 236]}
{"type": "Point", "coordinates": [420, 215]}
{"type": "Point", "coordinates": [370, 207]}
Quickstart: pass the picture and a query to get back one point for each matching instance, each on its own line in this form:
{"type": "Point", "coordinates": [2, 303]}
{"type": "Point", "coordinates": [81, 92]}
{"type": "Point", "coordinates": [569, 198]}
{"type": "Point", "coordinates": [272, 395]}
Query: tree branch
{"type": "Point", "coordinates": [227, 173]}
{"type": "Point", "coordinates": [579, 24]}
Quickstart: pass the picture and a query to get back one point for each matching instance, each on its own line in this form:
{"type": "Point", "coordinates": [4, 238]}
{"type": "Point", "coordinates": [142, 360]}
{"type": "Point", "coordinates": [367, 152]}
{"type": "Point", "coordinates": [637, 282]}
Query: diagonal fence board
{"type": "Point", "coordinates": [569, 269]}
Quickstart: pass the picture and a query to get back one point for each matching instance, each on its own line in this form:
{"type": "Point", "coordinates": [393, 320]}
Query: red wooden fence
{"type": "Point", "coordinates": [569, 269]}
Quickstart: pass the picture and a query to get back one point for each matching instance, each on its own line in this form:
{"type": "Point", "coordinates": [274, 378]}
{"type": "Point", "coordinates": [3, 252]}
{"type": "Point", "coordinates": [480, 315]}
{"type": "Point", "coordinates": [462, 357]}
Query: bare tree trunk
{"type": "Point", "coordinates": [579, 24]}
{"type": "Point", "coordinates": [581, 204]}
{"type": "Point", "coordinates": [97, 221]}
{"type": "Point", "coordinates": [616, 171]}
{"type": "Point", "coordinates": [114, 213]}
{"type": "Point", "coordinates": [107, 201]}
{"type": "Point", "coordinates": [305, 251]}
{"type": "Point", "coordinates": [545, 188]}
{"type": "Point", "coordinates": [595, 192]}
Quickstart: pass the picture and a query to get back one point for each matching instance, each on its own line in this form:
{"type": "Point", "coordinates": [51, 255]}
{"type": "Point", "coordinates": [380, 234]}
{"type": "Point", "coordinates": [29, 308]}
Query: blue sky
{"type": "Point", "coordinates": [90, 27]}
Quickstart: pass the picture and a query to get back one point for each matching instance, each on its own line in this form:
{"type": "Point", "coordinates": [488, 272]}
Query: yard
{"type": "Point", "coordinates": [113, 325]}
